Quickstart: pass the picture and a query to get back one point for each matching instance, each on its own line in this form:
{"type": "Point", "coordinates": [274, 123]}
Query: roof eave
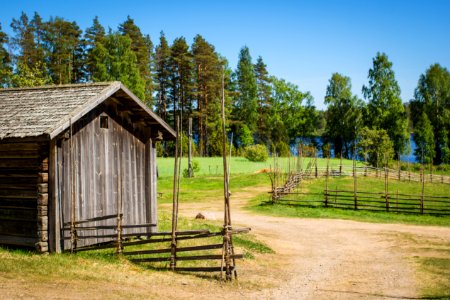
{"type": "Point", "coordinates": [78, 114]}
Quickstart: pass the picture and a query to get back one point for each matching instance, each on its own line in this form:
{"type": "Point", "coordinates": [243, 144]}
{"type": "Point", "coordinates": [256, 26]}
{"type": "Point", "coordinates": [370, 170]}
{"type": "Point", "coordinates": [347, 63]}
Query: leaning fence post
{"type": "Point", "coordinates": [326, 182]}
{"type": "Point", "coordinates": [386, 187]}
{"type": "Point", "coordinates": [355, 188]}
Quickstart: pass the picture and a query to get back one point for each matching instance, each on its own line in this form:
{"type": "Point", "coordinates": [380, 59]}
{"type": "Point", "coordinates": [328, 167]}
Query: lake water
{"type": "Point", "coordinates": [318, 141]}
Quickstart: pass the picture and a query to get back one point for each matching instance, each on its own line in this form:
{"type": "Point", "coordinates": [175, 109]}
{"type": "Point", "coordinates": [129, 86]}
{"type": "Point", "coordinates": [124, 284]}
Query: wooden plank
{"type": "Point", "coordinates": [18, 186]}
{"type": "Point", "coordinates": [17, 240]}
{"type": "Point", "coordinates": [19, 163]}
{"type": "Point", "coordinates": [201, 269]}
{"type": "Point", "coordinates": [24, 194]}
{"type": "Point", "coordinates": [18, 213]}
{"type": "Point", "coordinates": [17, 203]}
{"type": "Point", "coordinates": [92, 220]}
{"type": "Point", "coordinates": [185, 258]}
{"type": "Point", "coordinates": [180, 249]}
{"type": "Point", "coordinates": [25, 228]}
{"type": "Point", "coordinates": [19, 146]}
{"type": "Point", "coordinates": [53, 207]}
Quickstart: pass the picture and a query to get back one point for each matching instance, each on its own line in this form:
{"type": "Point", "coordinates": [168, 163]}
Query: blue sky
{"type": "Point", "coordinates": [303, 42]}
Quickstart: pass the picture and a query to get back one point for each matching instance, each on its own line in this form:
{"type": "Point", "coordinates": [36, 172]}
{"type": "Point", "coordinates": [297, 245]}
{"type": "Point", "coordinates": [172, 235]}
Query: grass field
{"type": "Point", "coordinates": [213, 166]}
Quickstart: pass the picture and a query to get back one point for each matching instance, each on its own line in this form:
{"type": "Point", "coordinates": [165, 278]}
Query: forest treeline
{"type": "Point", "coordinates": [178, 78]}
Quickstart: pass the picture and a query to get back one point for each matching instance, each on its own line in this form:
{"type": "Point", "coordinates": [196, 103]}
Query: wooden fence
{"type": "Point", "coordinates": [372, 201]}
{"type": "Point", "coordinates": [284, 190]}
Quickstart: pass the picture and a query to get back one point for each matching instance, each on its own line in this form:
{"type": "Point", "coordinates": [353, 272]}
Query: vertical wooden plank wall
{"type": "Point", "coordinates": [109, 163]}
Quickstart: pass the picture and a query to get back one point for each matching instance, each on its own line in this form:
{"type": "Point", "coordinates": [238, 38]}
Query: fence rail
{"type": "Point", "coordinates": [284, 191]}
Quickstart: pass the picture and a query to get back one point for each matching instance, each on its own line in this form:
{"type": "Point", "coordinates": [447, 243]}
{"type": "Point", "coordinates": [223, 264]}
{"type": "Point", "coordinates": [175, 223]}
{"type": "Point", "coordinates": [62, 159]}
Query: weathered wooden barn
{"type": "Point", "coordinates": [76, 154]}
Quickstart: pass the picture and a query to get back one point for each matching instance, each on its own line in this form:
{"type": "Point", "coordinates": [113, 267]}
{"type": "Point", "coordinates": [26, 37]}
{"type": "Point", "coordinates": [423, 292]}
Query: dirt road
{"type": "Point", "coordinates": [333, 259]}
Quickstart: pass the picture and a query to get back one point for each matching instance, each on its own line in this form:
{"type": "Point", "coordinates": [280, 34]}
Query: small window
{"type": "Point", "coordinates": [104, 122]}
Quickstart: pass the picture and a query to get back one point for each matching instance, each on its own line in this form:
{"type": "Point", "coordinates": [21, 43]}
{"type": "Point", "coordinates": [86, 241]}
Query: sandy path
{"type": "Point", "coordinates": [331, 259]}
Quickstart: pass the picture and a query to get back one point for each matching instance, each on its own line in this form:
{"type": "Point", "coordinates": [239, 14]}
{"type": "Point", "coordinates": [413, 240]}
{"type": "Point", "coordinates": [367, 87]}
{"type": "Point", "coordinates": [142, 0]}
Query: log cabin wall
{"type": "Point", "coordinates": [24, 194]}
{"type": "Point", "coordinates": [111, 163]}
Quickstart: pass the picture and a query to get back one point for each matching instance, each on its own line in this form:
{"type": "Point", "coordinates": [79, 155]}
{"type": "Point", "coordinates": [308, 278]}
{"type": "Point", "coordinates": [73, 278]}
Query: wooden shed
{"type": "Point", "coordinates": [76, 154]}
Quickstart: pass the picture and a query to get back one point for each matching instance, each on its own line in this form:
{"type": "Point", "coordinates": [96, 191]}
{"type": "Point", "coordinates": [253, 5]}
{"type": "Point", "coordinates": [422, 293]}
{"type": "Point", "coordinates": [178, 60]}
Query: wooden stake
{"type": "Point", "coordinates": [326, 182]}
{"type": "Point", "coordinates": [190, 171]}
{"type": "Point", "coordinates": [173, 244]}
{"type": "Point", "coordinates": [355, 187]}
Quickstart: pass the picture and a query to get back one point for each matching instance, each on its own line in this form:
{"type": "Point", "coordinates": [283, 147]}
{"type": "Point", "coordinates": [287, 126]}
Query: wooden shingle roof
{"type": "Point", "coordinates": [47, 111]}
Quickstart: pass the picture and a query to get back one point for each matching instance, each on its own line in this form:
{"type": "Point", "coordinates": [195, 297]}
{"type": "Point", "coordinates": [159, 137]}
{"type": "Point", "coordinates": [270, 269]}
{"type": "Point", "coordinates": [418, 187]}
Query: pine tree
{"type": "Point", "coordinates": [208, 70]}
{"type": "Point", "coordinates": [114, 60]}
{"type": "Point", "coordinates": [180, 85]}
{"type": "Point", "coordinates": [162, 76]}
{"type": "Point", "coordinates": [385, 109]}
{"type": "Point", "coordinates": [264, 91]}
{"type": "Point", "coordinates": [142, 46]}
{"type": "Point", "coordinates": [93, 35]}
{"type": "Point", "coordinates": [63, 45]}
{"type": "Point", "coordinates": [39, 55]}
{"type": "Point", "coordinates": [247, 102]}
{"type": "Point", "coordinates": [5, 60]}
{"type": "Point", "coordinates": [23, 41]}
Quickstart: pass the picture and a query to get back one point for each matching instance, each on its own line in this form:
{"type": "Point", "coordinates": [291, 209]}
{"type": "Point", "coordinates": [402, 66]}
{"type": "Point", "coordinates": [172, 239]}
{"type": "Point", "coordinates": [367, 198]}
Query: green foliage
{"type": "Point", "coordinates": [385, 109]}
{"type": "Point", "coordinates": [195, 168]}
{"type": "Point", "coordinates": [93, 35]}
{"type": "Point", "coordinates": [283, 149]}
{"type": "Point", "coordinates": [246, 103]}
{"type": "Point", "coordinates": [114, 60]}
{"type": "Point", "coordinates": [64, 51]}
{"type": "Point", "coordinates": [432, 96]}
{"type": "Point", "coordinates": [142, 47]}
{"type": "Point", "coordinates": [256, 153]}
{"type": "Point", "coordinates": [180, 91]}
{"type": "Point", "coordinates": [292, 113]}
{"type": "Point", "coordinates": [5, 60]}
{"type": "Point", "coordinates": [343, 116]}
{"type": "Point", "coordinates": [424, 139]}
{"type": "Point", "coordinates": [245, 136]}
{"type": "Point", "coordinates": [264, 98]}
{"type": "Point", "coordinates": [24, 76]}
{"type": "Point", "coordinates": [375, 143]}
{"type": "Point", "coordinates": [162, 76]}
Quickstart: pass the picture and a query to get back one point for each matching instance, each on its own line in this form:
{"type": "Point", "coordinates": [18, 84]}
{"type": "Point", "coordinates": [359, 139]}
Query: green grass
{"type": "Point", "coordinates": [213, 166]}
{"type": "Point", "coordinates": [437, 268]}
{"type": "Point", "coordinates": [262, 204]}
{"type": "Point", "coordinates": [207, 188]}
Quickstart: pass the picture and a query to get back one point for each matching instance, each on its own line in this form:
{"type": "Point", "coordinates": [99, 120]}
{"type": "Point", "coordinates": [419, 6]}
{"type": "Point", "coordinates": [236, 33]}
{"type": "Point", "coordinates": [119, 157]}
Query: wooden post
{"type": "Point", "coordinates": [398, 166]}
{"type": "Point", "coordinates": [315, 159]}
{"type": "Point", "coordinates": [340, 165]}
{"type": "Point", "coordinates": [365, 162]}
{"type": "Point", "coordinates": [173, 245]}
{"type": "Point", "coordinates": [386, 187]}
{"type": "Point", "coordinates": [190, 171]}
{"type": "Point", "coordinates": [326, 182]}
{"type": "Point", "coordinates": [431, 171]}
{"type": "Point", "coordinates": [423, 186]}
{"type": "Point", "coordinates": [228, 249]}
{"type": "Point", "coordinates": [119, 211]}
{"type": "Point", "coordinates": [355, 184]}
{"type": "Point", "coordinates": [73, 240]}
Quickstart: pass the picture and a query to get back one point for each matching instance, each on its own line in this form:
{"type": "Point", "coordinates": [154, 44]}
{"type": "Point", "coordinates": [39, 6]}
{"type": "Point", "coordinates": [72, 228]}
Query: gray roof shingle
{"type": "Point", "coordinates": [32, 112]}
